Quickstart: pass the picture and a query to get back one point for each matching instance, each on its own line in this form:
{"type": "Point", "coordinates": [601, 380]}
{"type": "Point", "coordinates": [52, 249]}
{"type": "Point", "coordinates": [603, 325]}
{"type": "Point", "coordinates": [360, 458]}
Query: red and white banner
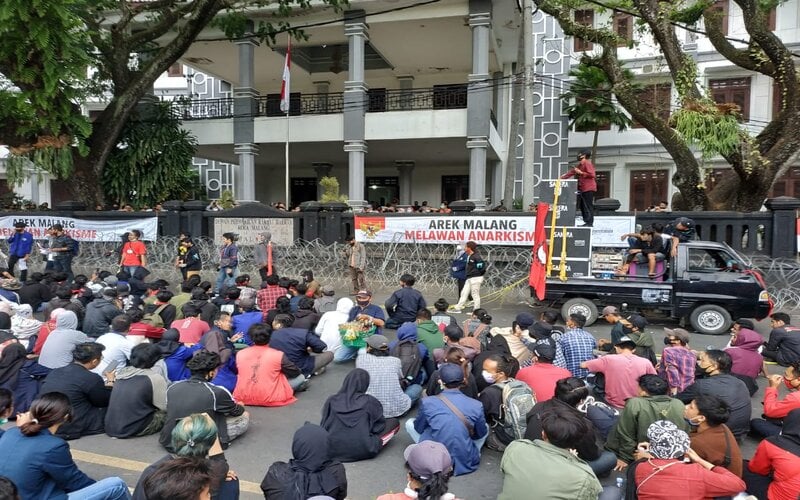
{"type": "Point", "coordinates": [483, 229]}
{"type": "Point", "coordinates": [286, 83]}
{"type": "Point", "coordinates": [81, 229]}
{"type": "Point", "coordinates": [538, 277]}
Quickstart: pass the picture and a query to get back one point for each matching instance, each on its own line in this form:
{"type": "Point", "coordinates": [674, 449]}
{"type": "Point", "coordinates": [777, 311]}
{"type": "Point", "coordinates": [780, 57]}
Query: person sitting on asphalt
{"type": "Point", "coordinates": [547, 465]}
{"type": "Point", "coordinates": [652, 404]}
{"type": "Point", "coordinates": [162, 308]}
{"type": "Point", "coordinates": [635, 330]}
{"type": "Point", "coordinates": [305, 317]}
{"type": "Point", "coordinates": [296, 344]}
{"type": "Point", "coordinates": [218, 340]}
{"type": "Point", "coordinates": [614, 318]}
{"type": "Point", "coordinates": [354, 420]}
{"type": "Point", "coordinates": [181, 299]}
{"type": "Point", "coordinates": [311, 472]}
{"type": "Point", "coordinates": [776, 410]}
{"type": "Point", "coordinates": [366, 311]}
{"type": "Point", "coordinates": [57, 349]}
{"type": "Point", "coordinates": [477, 326]}
{"type": "Point", "coordinates": [428, 471]}
{"type": "Point", "coordinates": [241, 323]}
{"type": "Point", "coordinates": [43, 467]}
{"type": "Point", "coordinates": [440, 316]}
{"type": "Point", "coordinates": [428, 332]}
{"type": "Point", "coordinates": [328, 327]}
{"type": "Point", "coordinates": [774, 470]}
{"type": "Point", "coordinates": [327, 301]}
{"type": "Point", "coordinates": [711, 438]}
{"type": "Point", "coordinates": [191, 327]}
{"type": "Point", "coordinates": [589, 446]}
{"type": "Point", "coordinates": [282, 306]}
{"type": "Point", "coordinates": [267, 296]}
{"type": "Point", "coordinates": [621, 372]}
{"type": "Point", "coordinates": [179, 479]}
{"type": "Point", "coordinates": [100, 312]}
{"type": "Point", "coordinates": [198, 395]}
{"type": "Point", "coordinates": [196, 437]}
{"type": "Point", "coordinates": [267, 377]}
{"type": "Point", "coordinates": [34, 292]}
{"type": "Point", "coordinates": [139, 330]}
{"type": "Point", "coordinates": [678, 363]}
{"type": "Point", "coordinates": [783, 345]}
{"type": "Point", "coordinates": [88, 394]}
{"type": "Point", "coordinates": [453, 419]}
{"type": "Point", "coordinates": [63, 300]}
{"type": "Point", "coordinates": [578, 346]}
{"type": "Point", "coordinates": [117, 346]}
{"type": "Point", "coordinates": [517, 337]}
{"type": "Point", "coordinates": [385, 373]}
{"type": "Point", "coordinates": [454, 355]}
{"type": "Point", "coordinates": [403, 304]}
{"type": "Point", "coordinates": [138, 404]}
{"type": "Point", "coordinates": [175, 355]}
{"type": "Point", "coordinates": [497, 370]}
{"type": "Point", "coordinates": [407, 334]}
{"type": "Point", "coordinates": [717, 380]}
{"type": "Point", "coordinates": [663, 456]}
{"type": "Point", "coordinates": [453, 337]}
{"type": "Point", "coordinates": [747, 361]}
{"type": "Point", "coordinates": [542, 375]}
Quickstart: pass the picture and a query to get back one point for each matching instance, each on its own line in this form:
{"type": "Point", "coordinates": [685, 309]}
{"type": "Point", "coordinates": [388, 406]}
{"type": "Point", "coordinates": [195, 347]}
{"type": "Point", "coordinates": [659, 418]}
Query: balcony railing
{"type": "Point", "coordinates": [377, 101]}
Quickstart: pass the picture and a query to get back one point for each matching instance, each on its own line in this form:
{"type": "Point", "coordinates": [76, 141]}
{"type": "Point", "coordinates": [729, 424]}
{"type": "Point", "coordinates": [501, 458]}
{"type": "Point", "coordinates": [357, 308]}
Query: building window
{"type": "Point", "coordinates": [648, 188]}
{"type": "Point", "coordinates": [274, 104]}
{"type": "Point", "coordinates": [377, 100]}
{"type": "Point", "coordinates": [455, 188]}
{"type": "Point", "coordinates": [303, 189]}
{"type": "Point", "coordinates": [175, 70]}
{"type": "Point", "coordinates": [787, 185]}
{"type": "Point", "coordinates": [658, 98]}
{"type": "Point", "coordinates": [603, 179]}
{"type": "Point", "coordinates": [623, 27]}
{"type": "Point", "coordinates": [586, 18]}
{"type": "Point", "coordinates": [381, 190]}
{"type": "Point", "coordinates": [732, 91]}
{"type": "Point", "coordinates": [722, 7]}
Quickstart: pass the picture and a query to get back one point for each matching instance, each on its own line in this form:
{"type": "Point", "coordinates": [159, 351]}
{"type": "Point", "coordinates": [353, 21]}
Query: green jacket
{"type": "Point", "coordinates": [538, 469]}
{"type": "Point", "coordinates": [636, 417]}
{"type": "Point", "coordinates": [428, 333]}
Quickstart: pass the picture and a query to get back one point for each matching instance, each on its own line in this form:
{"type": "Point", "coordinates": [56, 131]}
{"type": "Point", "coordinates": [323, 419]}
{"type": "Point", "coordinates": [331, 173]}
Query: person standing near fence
{"type": "Point", "coordinates": [356, 256]}
{"type": "Point", "coordinates": [20, 245]}
{"type": "Point", "coordinates": [134, 253]}
{"type": "Point", "coordinates": [62, 249]}
{"type": "Point", "coordinates": [476, 268]}
{"type": "Point", "coordinates": [228, 262]}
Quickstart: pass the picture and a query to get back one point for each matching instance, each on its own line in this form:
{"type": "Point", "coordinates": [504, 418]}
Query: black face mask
{"type": "Point", "coordinates": [362, 303]}
{"type": "Point", "coordinates": [667, 342]}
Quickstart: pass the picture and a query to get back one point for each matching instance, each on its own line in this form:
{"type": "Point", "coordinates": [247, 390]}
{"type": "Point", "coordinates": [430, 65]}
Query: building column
{"type": "Point", "coordinates": [406, 90]}
{"type": "Point", "coordinates": [355, 105]}
{"type": "Point", "coordinates": [497, 182]}
{"type": "Point", "coordinates": [405, 168]}
{"type": "Point", "coordinates": [245, 107]}
{"type": "Point", "coordinates": [322, 170]}
{"type": "Point", "coordinates": [479, 100]}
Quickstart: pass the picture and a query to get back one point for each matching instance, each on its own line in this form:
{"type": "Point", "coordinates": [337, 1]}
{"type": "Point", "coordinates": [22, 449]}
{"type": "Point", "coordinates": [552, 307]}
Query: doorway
{"type": "Point", "coordinates": [303, 189]}
{"type": "Point", "coordinates": [381, 190]}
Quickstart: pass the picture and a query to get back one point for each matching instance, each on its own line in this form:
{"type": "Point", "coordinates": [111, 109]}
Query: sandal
{"type": "Point", "coordinates": [652, 276]}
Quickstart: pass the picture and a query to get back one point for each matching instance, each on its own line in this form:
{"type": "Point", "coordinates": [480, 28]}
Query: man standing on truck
{"type": "Point", "coordinates": [587, 186]}
{"type": "Point", "coordinates": [682, 230]}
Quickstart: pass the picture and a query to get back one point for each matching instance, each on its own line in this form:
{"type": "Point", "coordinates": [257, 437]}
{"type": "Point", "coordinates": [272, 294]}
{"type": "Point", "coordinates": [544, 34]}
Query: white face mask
{"type": "Point", "coordinates": [409, 491]}
{"type": "Point", "coordinates": [488, 377]}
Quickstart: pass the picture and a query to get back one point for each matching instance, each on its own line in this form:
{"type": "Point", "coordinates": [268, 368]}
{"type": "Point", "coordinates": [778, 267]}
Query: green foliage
{"type": "Point", "coordinates": [153, 160]}
{"type": "Point", "coordinates": [590, 100]}
{"type": "Point", "coordinates": [715, 131]}
{"type": "Point", "coordinates": [330, 190]}
{"type": "Point", "coordinates": [227, 200]}
{"type": "Point", "coordinates": [689, 14]}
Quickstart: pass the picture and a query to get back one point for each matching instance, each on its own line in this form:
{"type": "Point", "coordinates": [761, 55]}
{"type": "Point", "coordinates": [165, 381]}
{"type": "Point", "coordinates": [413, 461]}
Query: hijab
{"type": "Point", "coordinates": [311, 462]}
{"type": "Point", "coordinates": [5, 320]}
{"type": "Point", "coordinates": [351, 398]}
{"type": "Point", "coordinates": [789, 438]}
{"type": "Point", "coordinates": [12, 358]}
{"type": "Point", "coordinates": [23, 324]}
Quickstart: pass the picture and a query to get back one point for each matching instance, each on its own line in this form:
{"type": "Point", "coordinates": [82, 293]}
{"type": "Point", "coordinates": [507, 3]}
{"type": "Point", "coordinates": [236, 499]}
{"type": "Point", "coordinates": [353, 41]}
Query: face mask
{"type": "Point", "coordinates": [788, 384]}
{"type": "Point", "coordinates": [689, 421]}
{"type": "Point", "coordinates": [362, 303]}
{"type": "Point", "coordinates": [667, 342]}
{"type": "Point", "coordinates": [410, 492]}
{"type": "Point", "coordinates": [488, 377]}
{"type": "Point", "coordinates": [3, 421]}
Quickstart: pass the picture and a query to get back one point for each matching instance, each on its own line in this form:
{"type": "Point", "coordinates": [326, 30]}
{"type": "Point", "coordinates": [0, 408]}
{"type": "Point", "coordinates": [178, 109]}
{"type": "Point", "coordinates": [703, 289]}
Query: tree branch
{"type": "Point", "coordinates": [740, 57]}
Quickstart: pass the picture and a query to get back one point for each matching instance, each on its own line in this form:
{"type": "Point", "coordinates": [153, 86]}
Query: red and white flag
{"type": "Point", "coordinates": [538, 276]}
{"type": "Point", "coordinates": [285, 85]}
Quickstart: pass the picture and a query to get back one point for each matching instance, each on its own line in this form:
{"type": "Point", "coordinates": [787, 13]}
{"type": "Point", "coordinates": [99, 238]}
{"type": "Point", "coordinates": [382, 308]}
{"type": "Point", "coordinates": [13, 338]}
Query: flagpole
{"type": "Point", "coordinates": [286, 160]}
{"type": "Point", "coordinates": [286, 106]}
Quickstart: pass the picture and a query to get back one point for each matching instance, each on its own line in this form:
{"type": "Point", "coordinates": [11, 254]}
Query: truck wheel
{"type": "Point", "coordinates": [580, 305]}
{"type": "Point", "coordinates": [710, 319]}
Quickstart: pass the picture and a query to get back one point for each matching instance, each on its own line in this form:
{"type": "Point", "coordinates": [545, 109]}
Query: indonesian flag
{"type": "Point", "coordinates": [539, 261]}
{"type": "Point", "coordinates": [285, 85]}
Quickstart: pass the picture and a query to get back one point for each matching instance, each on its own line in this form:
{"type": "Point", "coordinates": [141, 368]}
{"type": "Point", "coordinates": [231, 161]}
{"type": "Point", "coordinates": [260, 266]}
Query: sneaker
{"type": "Point", "coordinates": [320, 371]}
{"type": "Point", "coordinates": [456, 310]}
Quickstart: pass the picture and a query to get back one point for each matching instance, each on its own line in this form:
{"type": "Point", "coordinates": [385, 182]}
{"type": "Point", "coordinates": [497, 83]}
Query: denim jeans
{"type": "Point", "coordinates": [602, 465]}
{"type": "Point", "coordinates": [345, 353]}
{"type": "Point", "coordinates": [110, 488]}
{"type": "Point", "coordinates": [414, 391]}
{"type": "Point", "coordinates": [225, 280]}
{"type": "Point", "coordinates": [131, 269]}
{"type": "Point", "coordinates": [416, 436]}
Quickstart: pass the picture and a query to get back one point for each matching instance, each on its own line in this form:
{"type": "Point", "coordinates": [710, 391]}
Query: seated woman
{"type": "Point", "coordinates": [428, 470]}
{"type": "Point", "coordinates": [774, 471]}
{"type": "Point", "coordinates": [354, 420]}
{"type": "Point", "coordinates": [18, 374]}
{"type": "Point", "coordinates": [43, 467]}
{"type": "Point", "coordinates": [454, 355]}
{"type": "Point", "coordinates": [138, 404]}
{"type": "Point", "coordinates": [310, 473]}
{"type": "Point", "coordinates": [196, 437]}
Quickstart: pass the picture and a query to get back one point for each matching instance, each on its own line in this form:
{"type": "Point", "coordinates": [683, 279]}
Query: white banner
{"type": "Point", "coordinates": [484, 230]}
{"type": "Point", "coordinates": [81, 229]}
{"type": "Point", "coordinates": [281, 228]}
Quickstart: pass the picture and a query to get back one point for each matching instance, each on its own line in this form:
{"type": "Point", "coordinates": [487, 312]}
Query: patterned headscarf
{"type": "Point", "coordinates": [666, 440]}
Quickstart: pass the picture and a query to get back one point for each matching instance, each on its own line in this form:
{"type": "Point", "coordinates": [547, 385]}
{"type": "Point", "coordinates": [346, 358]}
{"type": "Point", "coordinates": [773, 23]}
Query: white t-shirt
{"type": "Point", "coordinates": [118, 350]}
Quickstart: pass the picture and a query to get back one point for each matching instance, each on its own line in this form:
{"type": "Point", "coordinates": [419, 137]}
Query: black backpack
{"type": "Point", "coordinates": [410, 359]}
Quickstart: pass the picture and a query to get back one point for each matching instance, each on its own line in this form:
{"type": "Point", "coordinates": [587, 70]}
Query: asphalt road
{"type": "Point", "coordinates": [271, 429]}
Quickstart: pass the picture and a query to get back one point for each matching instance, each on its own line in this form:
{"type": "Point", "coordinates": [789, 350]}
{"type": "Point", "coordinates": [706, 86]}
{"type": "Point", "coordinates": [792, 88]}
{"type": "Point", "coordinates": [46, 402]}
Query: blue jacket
{"type": "Point", "coordinates": [243, 322]}
{"type": "Point", "coordinates": [404, 304]}
{"type": "Point", "coordinates": [294, 343]}
{"type": "Point", "coordinates": [458, 269]}
{"type": "Point", "coordinates": [437, 422]}
{"type": "Point", "coordinates": [176, 362]}
{"type": "Point", "coordinates": [20, 244]}
{"type": "Point", "coordinates": [42, 467]}
{"type": "Point", "coordinates": [408, 331]}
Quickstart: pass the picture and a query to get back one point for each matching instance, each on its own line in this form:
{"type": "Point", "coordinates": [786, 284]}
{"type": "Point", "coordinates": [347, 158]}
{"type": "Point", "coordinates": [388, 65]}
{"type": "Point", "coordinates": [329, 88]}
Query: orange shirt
{"type": "Point", "coordinates": [132, 253]}
{"type": "Point", "coordinates": [261, 381]}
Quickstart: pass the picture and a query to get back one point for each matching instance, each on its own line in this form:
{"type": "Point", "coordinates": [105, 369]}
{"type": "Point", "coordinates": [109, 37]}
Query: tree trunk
{"type": "Point", "coordinates": [84, 183]}
{"type": "Point", "coordinates": [594, 144]}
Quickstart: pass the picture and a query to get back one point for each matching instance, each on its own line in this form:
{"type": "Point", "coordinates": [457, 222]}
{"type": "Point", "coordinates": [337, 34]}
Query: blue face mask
{"type": "Point", "coordinates": [3, 421]}
{"type": "Point", "coordinates": [690, 423]}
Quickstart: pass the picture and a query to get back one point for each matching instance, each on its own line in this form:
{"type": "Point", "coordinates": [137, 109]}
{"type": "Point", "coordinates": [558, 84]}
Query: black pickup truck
{"type": "Point", "coordinates": [707, 283]}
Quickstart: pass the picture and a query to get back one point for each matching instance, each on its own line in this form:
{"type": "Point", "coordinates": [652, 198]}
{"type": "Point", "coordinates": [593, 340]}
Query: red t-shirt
{"type": "Point", "coordinates": [132, 253]}
{"type": "Point", "coordinates": [191, 329]}
{"type": "Point", "coordinates": [622, 373]}
{"type": "Point", "coordinates": [542, 378]}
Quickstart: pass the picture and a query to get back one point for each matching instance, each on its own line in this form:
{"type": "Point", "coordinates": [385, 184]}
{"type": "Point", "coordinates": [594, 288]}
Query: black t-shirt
{"type": "Point", "coordinates": [88, 396]}
{"type": "Point", "coordinates": [130, 409]}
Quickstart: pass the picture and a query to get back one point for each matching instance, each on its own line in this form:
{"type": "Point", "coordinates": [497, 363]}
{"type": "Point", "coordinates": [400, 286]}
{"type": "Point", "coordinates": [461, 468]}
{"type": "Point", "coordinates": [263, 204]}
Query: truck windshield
{"type": "Point", "coordinates": [712, 260]}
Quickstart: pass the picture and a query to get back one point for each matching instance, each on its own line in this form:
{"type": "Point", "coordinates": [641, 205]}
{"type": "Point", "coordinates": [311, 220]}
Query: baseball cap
{"type": "Point", "coordinates": [685, 221]}
{"type": "Point", "coordinates": [678, 333]}
{"type": "Point", "coordinates": [20, 224]}
{"type": "Point", "coordinates": [427, 458]}
{"type": "Point", "coordinates": [609, 310]}
{"type": "Point", "coordinates": [524, 320]}
{"type": "Point", "coordinates": [544, 351]}
{"type": "Point", "coordinates": [378, 342]}
{"type": "Point", "coordinates": [625, 340]}
{"type": "Point", "coordinates": [327, 290]}
{"type": "Point", "coordinates": [364, 293]}
{"type": "Point", "coordinates": [638, 321]}
{"type": "Point", "coordinates": [450, 373]}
